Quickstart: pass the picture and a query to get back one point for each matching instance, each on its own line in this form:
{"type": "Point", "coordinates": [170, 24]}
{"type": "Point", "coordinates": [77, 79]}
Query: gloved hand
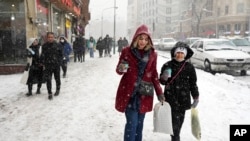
{"type": "Point", "coordinates": [195, 103]}
{"type": "Point", "coordinates": [161, 97]}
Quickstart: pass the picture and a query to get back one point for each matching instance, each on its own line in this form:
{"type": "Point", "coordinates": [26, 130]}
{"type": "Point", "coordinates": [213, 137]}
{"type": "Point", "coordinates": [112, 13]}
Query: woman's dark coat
{"type": "Point", "coordinates": [178, 92]}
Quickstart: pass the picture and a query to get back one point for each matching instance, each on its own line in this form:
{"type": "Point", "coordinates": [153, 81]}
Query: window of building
{"type": "Point", "coordinates": [168, 10]}
{"type": "Point", "coordinates": [228, 27]}
{"type": "Point", "coordinates": [226, 10]}
{"type": "Point", "coordinates": [240, 8]}
{"type": "Point", "coordinates": [168, 1]}
{"type": "Point", "coordinates": [12, 32]}
{"type": "Point", "coordinates": [42, 19]}
{"type": "Point", "coordinates": [237, 27]}
{"type": "Point", "coordinates": [56, 19]}
{"type": "Point", "coordinates": [247, 26]}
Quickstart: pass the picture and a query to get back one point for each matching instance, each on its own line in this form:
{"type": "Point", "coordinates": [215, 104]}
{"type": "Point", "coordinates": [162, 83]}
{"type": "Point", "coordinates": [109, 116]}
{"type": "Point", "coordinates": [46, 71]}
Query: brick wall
{"type": "Point", "coordinates": [11, 69]}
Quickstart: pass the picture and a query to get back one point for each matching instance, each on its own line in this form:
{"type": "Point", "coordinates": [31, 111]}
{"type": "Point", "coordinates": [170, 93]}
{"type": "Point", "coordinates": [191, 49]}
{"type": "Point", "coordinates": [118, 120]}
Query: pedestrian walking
{"type": "Point", "coordinates": [125, 42]}
{"type": "Point", "coordinates": [91, 46]}
{"type": "Point", "coordinates": [66, 52]}
{"type": "Point", "coordinates": [107, 44]}
{"type": "Point", "coordinates": [100, 46]}
{"type": "Point", "coordinates": [36, 67]}
{"type": "Point", "coordinates": [137, 65]}
{"type": "Point", "coordinates": [179, 78]}
{"type": "Point", "coordinates": [120, 45]}
{"type": "Point", "coordinates": [52, 56]}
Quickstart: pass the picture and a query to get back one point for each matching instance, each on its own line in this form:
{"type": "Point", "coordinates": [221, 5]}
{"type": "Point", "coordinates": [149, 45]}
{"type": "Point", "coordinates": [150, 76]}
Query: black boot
{"type": "Point", "coordinates": [50, 95]}
{"type": "Point", "coordinates": [57, 93]}
{"type": "Point", "coordinates": [38, 91]}
{"type": "Point", "coordinates": [175, 138]}
{"type": "Point", "coordinates": [30, 90]}
{"type": "Point", "coordinates": [29, 93]}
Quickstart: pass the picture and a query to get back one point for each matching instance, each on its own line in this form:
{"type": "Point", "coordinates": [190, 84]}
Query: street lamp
{"type": "Point", "coordinates": [216, 21]}
{"type": "Point", "coordinates": [114, 25]}
{"type": "Point", "coordinates": [102, 16]}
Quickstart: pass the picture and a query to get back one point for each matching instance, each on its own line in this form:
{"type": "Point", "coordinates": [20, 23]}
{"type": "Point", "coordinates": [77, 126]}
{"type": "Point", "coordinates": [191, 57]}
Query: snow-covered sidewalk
{"type": "Point", "coordinates": [84, 110]}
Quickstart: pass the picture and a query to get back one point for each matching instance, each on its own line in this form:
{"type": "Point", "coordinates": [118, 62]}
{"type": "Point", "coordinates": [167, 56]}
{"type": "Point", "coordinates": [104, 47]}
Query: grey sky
{"type": "Point", "coordinates": [97, 9]}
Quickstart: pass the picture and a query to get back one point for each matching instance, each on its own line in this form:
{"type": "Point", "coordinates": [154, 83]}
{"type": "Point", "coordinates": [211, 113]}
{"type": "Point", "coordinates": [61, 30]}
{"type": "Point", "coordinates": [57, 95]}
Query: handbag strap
{"type": "Point", "coordinates": [176, 74]}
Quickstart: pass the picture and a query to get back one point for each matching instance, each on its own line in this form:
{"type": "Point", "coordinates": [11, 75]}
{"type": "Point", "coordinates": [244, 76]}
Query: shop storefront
{"type": "Point", "coordinates": [21, 20]}
{"type": "Point", "coordinates": [12, 32]}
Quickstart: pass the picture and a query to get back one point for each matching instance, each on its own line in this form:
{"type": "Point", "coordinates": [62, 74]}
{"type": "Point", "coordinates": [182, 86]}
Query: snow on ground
{"type": "Point", "coordinates": [84, 110]}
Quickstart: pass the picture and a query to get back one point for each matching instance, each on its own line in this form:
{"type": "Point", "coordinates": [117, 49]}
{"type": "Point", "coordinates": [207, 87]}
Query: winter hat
{"type": "Point", "coordinates": [181, 49]}
{"type": "Point", "coordinates": [30, 42]}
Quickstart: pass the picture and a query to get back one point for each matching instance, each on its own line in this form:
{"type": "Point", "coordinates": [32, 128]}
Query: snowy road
{"type": "Point", "coordinates": [84, 110]}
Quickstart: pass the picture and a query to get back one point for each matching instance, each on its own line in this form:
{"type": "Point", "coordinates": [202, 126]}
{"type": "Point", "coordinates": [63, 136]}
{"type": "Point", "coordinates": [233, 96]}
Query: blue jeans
{"type": "Point", "coordinates": [91, 52]}
{"type": "Point", "coordinates": [134, 125]}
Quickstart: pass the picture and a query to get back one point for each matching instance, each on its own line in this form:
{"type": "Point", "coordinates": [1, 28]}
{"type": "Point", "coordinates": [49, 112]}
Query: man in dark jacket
{"type": "Point", "coordinates": [52, 56]}
{"type": "Point", "coordinates": [107, 43]}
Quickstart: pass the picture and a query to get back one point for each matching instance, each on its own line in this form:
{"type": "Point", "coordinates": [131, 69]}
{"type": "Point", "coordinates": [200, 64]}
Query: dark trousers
{"type": "Point", "coordinates": [50, 70]}
{"type": "Point", "coordinates": [76, 56]}
{"type": "Point", "coordinates": [64, 67]}
{"type": "Point", "coordinates": [177, 121]}
{"type": "Point", "coordinates": [100, 52]}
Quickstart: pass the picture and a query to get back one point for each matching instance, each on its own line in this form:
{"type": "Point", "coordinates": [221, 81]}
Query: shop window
{"type": "Point", "coordinates": [56, 22]}
{"type": "Point", "coordinates": [12, 32]}
{"type": "Point", "coordinates": [42, 19]}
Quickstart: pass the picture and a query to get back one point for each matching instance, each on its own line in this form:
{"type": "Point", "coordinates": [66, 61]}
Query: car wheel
{"type": "Point", "coordinates": [207, 66]}
{"type": "Point", "coordinates": [243, 72]}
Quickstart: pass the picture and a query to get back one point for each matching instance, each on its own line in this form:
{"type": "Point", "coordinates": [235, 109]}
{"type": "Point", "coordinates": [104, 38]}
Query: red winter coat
{"type": "Point", "coordinates": [128, 80]}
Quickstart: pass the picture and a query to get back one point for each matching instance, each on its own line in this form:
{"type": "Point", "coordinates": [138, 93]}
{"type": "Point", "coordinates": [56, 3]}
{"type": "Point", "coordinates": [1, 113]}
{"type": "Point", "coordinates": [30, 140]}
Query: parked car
{"type": "Point", "coordinates": [216, 55]}
{"type": "Point", "coordinates": [156, 43]}
{"type": "Point", "coordinates": [248, 38]}
{"type": "Point", "coordinates": [167, 43]}
{"type": "Point", "coordinates": [242, 44]}
{"type": "Point", "coordinates": [191, 40]}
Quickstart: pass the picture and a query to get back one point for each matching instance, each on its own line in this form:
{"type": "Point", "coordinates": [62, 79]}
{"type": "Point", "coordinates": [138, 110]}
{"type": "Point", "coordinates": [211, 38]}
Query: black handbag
{"type": "Point", "coordinates": [146, 88]}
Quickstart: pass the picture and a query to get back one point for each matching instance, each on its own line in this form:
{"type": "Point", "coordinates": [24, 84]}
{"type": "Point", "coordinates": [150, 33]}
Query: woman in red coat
{"type": "Point", "coordinates": [137, 65]}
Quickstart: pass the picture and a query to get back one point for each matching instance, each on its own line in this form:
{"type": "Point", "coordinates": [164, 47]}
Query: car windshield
{"type": "Point", "coordinates": [155, 40]}
{"type": "Point", "coordinates": [193, 40]}
{"type": "Point", "coordinates": [169, 40]}
{"type": "Point", "coordinates": [219, 45]}
{"type": "Point", "coordinates": [241, 42]}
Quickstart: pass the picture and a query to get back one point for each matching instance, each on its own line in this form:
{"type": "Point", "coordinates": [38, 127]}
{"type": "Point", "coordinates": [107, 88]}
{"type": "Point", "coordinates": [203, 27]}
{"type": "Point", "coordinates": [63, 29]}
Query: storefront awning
{"type": "Point", "coordinates": [67, 5]}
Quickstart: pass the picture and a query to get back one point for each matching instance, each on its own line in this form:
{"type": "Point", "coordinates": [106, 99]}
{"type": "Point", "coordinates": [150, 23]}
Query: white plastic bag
{"type": "Point", "coordinates": [24, 77]}
{"type": "Point", "coordinates": [195, 124]}
{"type": "Point", "coordinates": [163, 118]}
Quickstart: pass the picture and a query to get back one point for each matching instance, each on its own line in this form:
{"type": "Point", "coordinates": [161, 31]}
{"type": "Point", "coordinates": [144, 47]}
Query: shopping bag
{"type": "Point", "coordinates": [163, 118]}
{"type": "Point", "coordinates": [24, 77]}
{"type": "Point", "coordinates": [195, 124]}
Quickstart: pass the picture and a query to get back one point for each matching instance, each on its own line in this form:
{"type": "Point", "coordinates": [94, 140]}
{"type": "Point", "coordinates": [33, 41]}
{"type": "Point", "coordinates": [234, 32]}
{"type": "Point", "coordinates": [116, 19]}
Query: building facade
{"type": "Point", "coordinates": [23, 19]}
{"type": "Point", "coordinates": [189, 18]}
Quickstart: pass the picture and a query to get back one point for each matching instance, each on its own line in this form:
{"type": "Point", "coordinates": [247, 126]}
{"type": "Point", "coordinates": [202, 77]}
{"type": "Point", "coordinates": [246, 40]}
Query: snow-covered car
{"type": "Point", "coordinates": [217, 55]}
{"type": "Point", "coordinates": [156, 43]}
{"type": "Point", "coordinates": [248, 38]}
{"type": "Point", "coordinates": [191, 40]}
{"type": "Point", "coordinates": [242, 44]}
{"type": "Point", "coordinates": [167, 43]}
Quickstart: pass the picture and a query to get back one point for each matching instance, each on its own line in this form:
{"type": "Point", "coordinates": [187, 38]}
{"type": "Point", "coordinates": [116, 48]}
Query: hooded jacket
{"type": "Point", "coordinates": [178, 93]}
{"type": "Point", "coordinates": [129, 80]}
{"type": "Point", "coordinates": [66, 48]}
